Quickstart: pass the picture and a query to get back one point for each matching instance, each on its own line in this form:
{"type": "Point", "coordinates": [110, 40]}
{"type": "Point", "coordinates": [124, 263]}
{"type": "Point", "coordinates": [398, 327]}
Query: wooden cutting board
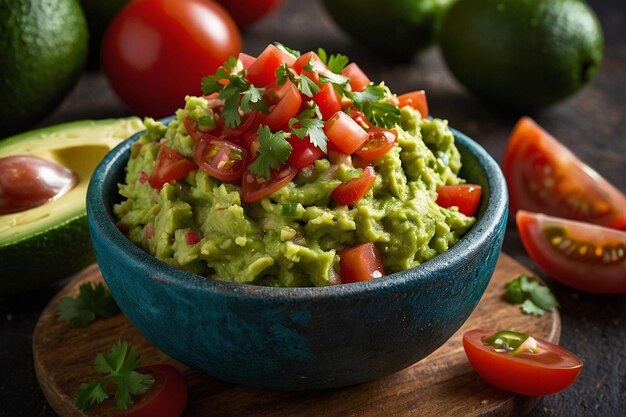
{"type": "Point", "coordinates": [443, 384]}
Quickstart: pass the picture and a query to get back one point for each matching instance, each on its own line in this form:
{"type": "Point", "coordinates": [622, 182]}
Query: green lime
{"type": "Point", "coordinates": [522, 53]}
{"type": "Point", "coordinates": [51, 241]}
{"type": "Point", "coordinates": [395, 29]}
{"type": "Point", "coordinates": [99, 13]}
{"type": "Point", "coordinates": [43, 47]}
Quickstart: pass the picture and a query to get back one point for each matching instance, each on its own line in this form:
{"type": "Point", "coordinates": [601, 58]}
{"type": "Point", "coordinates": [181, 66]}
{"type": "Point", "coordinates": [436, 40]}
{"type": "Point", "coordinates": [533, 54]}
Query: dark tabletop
{"type": "Point", "coordinates": [591, 123]}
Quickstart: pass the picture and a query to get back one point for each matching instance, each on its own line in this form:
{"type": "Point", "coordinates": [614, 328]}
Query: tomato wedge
{"type": "Point", "coordinates": [581, 255]}
{"type": "Point", "coordinates": [167, 397]}
{"type": "Point", "coordinates": [544, 176]}
{"type": "Point", "coordinates": [379, 142]}
{"type": "Point", "coordinates": [360, 263]}
{"type": "Point", "coordinates": [284, 101]}
{"type": "Point", "coordinates": [345, 132]}
{"type": "Point", "coordinates": [220, 159]}
{"type": "Point", "coordinates": [351, 192]}
{"type": "Point", "coordinates": [415, 99]}
{"type": "Point", "coordinates": [169, 166]}
{"type": "Point", "coordinates": [255, 188]}
{"type": "Point", "coordinates": [358, 80]}
{"type": "Point", "coordinates": [529, 367]}
{"type": "Point", "coordinates": [464, 196]}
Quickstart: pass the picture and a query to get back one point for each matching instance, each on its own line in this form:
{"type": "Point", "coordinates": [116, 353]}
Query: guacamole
{"type": "Point", "coordinates": [293, 236]}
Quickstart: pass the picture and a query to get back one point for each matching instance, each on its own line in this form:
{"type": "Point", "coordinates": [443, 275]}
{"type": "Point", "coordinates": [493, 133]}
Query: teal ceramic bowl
{"type": "Point", "coordinates": [300, 338]}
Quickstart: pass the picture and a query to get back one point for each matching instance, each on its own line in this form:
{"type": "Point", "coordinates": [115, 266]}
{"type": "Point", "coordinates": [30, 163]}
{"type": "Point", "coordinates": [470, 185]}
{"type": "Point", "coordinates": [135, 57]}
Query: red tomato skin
{"type": "Point", "coordinates": [527, 374]}
{"type": "Point", "coordinates": [360, 263]}
{"type": "Point", "coordinates": [253, 191]}
{"type": "Point", "coordinates": [464, 196]}
{"type": "Point", "coordinates": [247, 12]}
{"type": "Point", "coordinates": [415, 99]}
{"type": "Point", "coordinates": [351, 192]}
{"type": "Point", "coordinates": [303, 152]}
{"type": "Point", "coordinates": [285, 101]}
{"type": "Point", "coordinates": [209, 142]}
{"type": "Point", "coordinates": [358, 80]}
{"type": "Point", "coordinates": [166, 398]}
{"type": "Point", "coordinates": [574, 190]}
{"type": "Point", "coordinates": [262, 72]}
{"type": "Point", "coordinates": [169, 166]}
{"type": "Point", "coordinates": [345, 132]}
{"type": "Point", "coordinates": [328, 100]}
{"type": "Point", "coordinates": [379, 142]}
{"type": "Point", "coordinates": [156, 51]}
{"type": "Point", "coordinates": [319, 68]}
{"type": "Point", "coordinates": [246, 60]}
{"type": "Point", "coordinates": [592, 274]}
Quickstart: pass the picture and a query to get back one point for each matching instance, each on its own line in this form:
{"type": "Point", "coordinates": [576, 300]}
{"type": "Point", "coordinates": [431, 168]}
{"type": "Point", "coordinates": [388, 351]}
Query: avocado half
{"type": "Point", "coordinates": [51, 242]}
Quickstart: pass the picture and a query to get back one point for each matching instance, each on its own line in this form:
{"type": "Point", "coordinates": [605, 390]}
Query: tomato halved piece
{"type": "Point", "coordinates": [464, 196]}
{"type": "Point", "coordinates": [255, 188]}
{"type": "Point", "coordinates": [327, 100]}
{"type": "Point", "coordinates": [379, 142]}
{"type": "Point", "coordinates": [548, 370]}
{"type": "Point", "coordinates": [358, 79]}
{"type": "Point", "coordinates": [581, 255]}
{"type": "Point", "coordinates": [360, 263]}
{"type": "Point", "coordinates": [220, 159]}
{"type": "Point", "coordinates": [284, 101]}
{"type": "Point", "coordinates": [351, 192]}
{"type": "Point", "coordinates": [544, 176]}
{"type": "Point", "coordinates": [415, 99]}
{"type": "Point", "coordinates": [262, 72]}
{"type": "Point", "coordinates": [303, 152]}
{"type": "Point", "coordinates": [167, 397]}
{"type": "Point", "coordinates": [169, 166]}
{"type": "Point", "coordinates": [345, 132]}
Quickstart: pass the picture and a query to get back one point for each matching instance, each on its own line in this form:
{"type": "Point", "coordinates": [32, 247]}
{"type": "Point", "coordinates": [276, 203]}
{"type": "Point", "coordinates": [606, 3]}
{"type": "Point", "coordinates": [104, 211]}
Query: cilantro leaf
{"type": "Point", "coordinates": [535, 297]}
{"type": "Point", "coordinates": [287, 50]}
{"type": "Point", "coordinates": [371, 94]}
{"type": "Point", "coordinates": [119, 368]}
{"type": "Point", "coordinates": [307, 124]}
{"type": "Point", "coordinates": [371, 102]}
{"type": "Point", "coordinates": [307, 86]}
{"type": "Point", "coordinates": [273, 151]}
{"type": "Point", "coordinates": [336, 62]}
{"type": "Point", "coordinates": [304, 83]}
{"type": "Point", "coordinates": [92, 301]}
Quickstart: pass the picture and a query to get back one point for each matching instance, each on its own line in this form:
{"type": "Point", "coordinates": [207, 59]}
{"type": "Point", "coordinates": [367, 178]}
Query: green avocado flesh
{"type": "Point", "coordinates": [49, 242]}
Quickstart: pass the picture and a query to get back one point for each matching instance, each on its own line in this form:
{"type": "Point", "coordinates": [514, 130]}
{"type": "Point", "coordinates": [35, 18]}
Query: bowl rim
{"type": "Point", "coordinates": [102, 223]}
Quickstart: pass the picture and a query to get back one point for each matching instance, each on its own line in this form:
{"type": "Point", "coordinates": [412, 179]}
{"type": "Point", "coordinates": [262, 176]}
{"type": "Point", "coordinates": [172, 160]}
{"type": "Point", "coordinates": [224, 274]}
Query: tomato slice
{"type": "Point", "coordinates": [303, 152]}
{"type": "Point", "coordinates": [464, 196]}
{"type": "Point", "coordinates": [546, 370]}
{"type": "Point", "coordinates": [220, 159]}
{"type": "Point", "coordinates": [360, 263]}
{"type": "Point", "coordinates": [351, 192]}
{"type": "Point", "coordinates": [284, 101]}
{"type": "Point", "coordinates": [169, 166]}
{"type": "Point", "coordinates": [255, 188]}
{"type": "Point", "coordinates": [415, 99]}
{"type": "Point", "coordinates": [581, 255]}
{"type": "Point", "coordinates": [379, 142]}
{"type": "Point", "coordinates": [327, 100]}
{"type": "Point", "coordinates": [345, 132]}
{"type": "Point", "coordinates": [167, 397]}
{"type": "Point", "coordinates": [545, 177]}
{"type": "Point", "coordinates": [358, 80]}
{"type": "Point", "coordinates": [262, 72]}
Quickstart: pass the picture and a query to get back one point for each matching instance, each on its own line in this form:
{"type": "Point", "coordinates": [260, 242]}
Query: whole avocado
{"type": "Point", "coordinates": [395, 29]}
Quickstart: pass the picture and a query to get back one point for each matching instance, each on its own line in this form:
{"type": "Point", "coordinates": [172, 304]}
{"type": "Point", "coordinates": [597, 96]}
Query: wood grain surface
{"type": "Point", "coordinates": [443, 384]}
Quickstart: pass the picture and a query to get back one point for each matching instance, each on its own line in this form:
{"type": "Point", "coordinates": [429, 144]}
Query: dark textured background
{"type": "Point", "coordinates": [591, 123]}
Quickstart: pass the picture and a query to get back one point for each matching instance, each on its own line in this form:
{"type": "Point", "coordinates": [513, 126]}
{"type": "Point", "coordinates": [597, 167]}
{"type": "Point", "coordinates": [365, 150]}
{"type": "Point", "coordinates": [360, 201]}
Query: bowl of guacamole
{"type": "Point", "coordinates": [298, 226]}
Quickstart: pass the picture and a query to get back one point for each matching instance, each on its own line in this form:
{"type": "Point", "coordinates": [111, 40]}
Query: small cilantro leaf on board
{"type": "Point", "coordinates": [308, 123]}
{"type": "Point", "coordinates": [92, 301]}
{"type": "Point", "coordinates": [335, 62]}
{"type": "Point", "coordinates": [535, 297]}
{"type": "Point", "coordinates": [273, 151]}
{"type": "Point", "coordinates": [118, 366]}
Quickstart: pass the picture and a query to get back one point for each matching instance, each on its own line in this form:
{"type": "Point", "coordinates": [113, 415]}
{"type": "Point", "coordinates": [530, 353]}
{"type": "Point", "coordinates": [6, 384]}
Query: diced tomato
{"type": "Point", "coordinates": [246, 60]}
{"type": "Point", "coordinates": [360, 118]}
{"type": "Point", "coordinates": [262, 72]}
{"type": "Point", "coordinates": [379, 142]}
{"type": "Point", "coordinates": [192, 237]}
{"type": "Point", "coordinates": [581, 255]}
{"type": "Point", "coordinates": [310, 58]}
{"type": "Point", "coordinates": [358, 80]}
{"type": "Point", "coordinates": [249, 123]}
{"type": "Point", "coordinates": [303, 152]}
{"type": "Point", "coordinates": [415, 99]}
{"type": "Point", "coordinates": [169, 166]}
{"type": "Point", "coordinates": [328, 100]}
{"type": "Point", "coordinates": [220, 159]}
{"type": "Point", "coordinates": [284, 101]}
{"type": "Point", "coordinates": [255, 188]}
{"type": "Point", "coordinates": [464, 196]}
{"type": "Point", "coordinates": [344, 132]}
{"type": "Point", "coordinates": [360, 263]}
{"type": "Point", "coordinates": [351, 192]}
{"type": "Point", "coordinates": [544, 176]}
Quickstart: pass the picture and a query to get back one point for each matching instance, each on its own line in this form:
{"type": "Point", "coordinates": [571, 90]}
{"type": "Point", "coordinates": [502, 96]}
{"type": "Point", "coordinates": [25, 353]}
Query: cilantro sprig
{"type": "Point", "coordinates": [370, 102]}
{"type": "Point", "coordinates": [305, 84]}
{"type": "Point", "coordinates": [309, 123]}
{"type": "Point", "coordinates": [335, 62]}
{"type": "Point", "coordinates": [118, 366]}
{"type": "Point", "coordinates": [535, 297]}
{"type": "Point", "coordinates": [92, 301]}
{"type": "Point", "coordinates": [273, 151]}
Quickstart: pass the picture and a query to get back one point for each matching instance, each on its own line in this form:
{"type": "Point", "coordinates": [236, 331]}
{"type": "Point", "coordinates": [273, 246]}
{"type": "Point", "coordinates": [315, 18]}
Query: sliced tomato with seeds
{"type": "Point", "coordinates": [581, 255]}
{"type": "Point", "coordinates": [379, 142]}
{"type": "Point", "coordinates": [351, 192]}
{"type": "Point", "coordinates": [169, 166]}
{"type": "Point", "coordinates": [254, 188]}
{"type": "Point", "coordinates": [464, 196]}
{"type": "Point", "coordinates": [220, 159]}
{"type": "Point", "coordinates": [360, 263]}
{"type": "Point", "coordinates": [358, 79]}
{"type": "Point", "coordinates": [415, 99]}
{"type": "Point", "coordinates": [544, 176]}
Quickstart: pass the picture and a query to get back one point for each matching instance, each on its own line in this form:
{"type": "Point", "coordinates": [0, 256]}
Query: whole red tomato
{"type": "Point", "coordinates": [156, 51]}
{"type": "Point", "coordinates": [246, 12]}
